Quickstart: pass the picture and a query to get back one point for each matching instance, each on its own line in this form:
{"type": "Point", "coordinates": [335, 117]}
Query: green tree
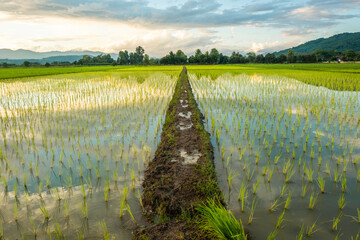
{"type": "Point", "coordinates": [154, 61]}
{"type": "Point", "coordinates": [132, 58]}
{"type": "Point", "coordinates": [324, 55]}
{"type": "Point", "coordinates": [139, 51]}
{"type": "Point", "coordinates": [180, 57]}
{"type": "Point", "coordinates": [47, 64]}
{"type": "Point", "coordinates": [214, 56]}
{"type": "Point", "coordinates": [86, 60]}
{"type": "Point", "coordinates": [350, 55]}
{"type": "Point", "coordinates": [168, 59]}
{"type": "Point", "coordinates": [198, 56]}
{"type": "Point", "coordinates": [223, 59]}
{"type": "Point", "coordinates": [358, 56]}
{"type": "Point", "coordinates": [236, 57]}
{"type": "Point", "coordinates": [281, 58]}
{"type": "Point", "coordinates": [260, 58]}
{"type": "Point", "coordinates": [146, 59]}
{"type": "Point", "coordinates": [307, 58]}
{"type": "Point", "coordinates": [123, 57]}
{"type": "Point", "coordinates": [26, 63]}
{"type": "Point", "coordinates": [290, 56]}
{"type": "Point", "coordinates": [192, 59]}
{"type": "Point", "coordinates": [205, 58]}
{"type": "Point", "coordinates": [270, 58]}
{"type": "Point", "coordinates": [251, 56]}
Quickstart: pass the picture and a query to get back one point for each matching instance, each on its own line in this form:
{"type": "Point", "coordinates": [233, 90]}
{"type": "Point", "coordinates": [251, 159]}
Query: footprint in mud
{"type": "Point", "coordinates": [187, 116]}
{"type": "Point", "coordinates": [190, 158]}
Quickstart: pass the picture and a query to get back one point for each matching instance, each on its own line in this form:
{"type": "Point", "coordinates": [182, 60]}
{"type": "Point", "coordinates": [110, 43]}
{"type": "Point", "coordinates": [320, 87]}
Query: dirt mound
{"type": "Point", "coordinates": [182, 174]}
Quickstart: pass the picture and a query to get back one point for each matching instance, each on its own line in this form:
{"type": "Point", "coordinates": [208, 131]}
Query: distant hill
{"type": "Point", "coordinates": [21, 55]}
{"type": "Point", "coordinates": [340, 42]}
{"type": "Point", "coordinates": [43, 60]}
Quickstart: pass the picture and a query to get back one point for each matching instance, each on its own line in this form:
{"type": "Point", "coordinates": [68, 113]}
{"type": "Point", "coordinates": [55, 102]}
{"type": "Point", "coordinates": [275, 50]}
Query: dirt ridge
{"type": "Point", "coordinates": [182, 173]}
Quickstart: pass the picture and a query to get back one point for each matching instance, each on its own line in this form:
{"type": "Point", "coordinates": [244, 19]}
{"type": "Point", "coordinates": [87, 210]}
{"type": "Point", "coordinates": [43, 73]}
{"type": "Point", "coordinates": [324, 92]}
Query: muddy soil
{"type": "Point", "coordinates": [174, 230]}
{"type": "Point", "coordinates": [182, 174]}
{"type": "Point", "coordinates": [175, 178]}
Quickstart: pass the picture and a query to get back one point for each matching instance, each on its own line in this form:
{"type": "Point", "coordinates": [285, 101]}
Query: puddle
{"type": "Point", "coordinates": [187, 116]}
{"type": "Point", "coordinates": [183, 126]}
{"type": "Point", "coordinates": [190, 158]}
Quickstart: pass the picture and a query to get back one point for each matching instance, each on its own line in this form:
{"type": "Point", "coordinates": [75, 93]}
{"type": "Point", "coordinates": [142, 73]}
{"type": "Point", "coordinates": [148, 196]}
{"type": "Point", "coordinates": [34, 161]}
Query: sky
{"type": "Point", "coordinates": [161, 26]}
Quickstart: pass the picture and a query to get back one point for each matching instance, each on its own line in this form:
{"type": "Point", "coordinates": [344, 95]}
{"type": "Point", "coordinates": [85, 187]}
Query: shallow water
{"type": "Point", "coordinates": [249, 115]}
{"type": "Point", "coordinates": [91, 139]}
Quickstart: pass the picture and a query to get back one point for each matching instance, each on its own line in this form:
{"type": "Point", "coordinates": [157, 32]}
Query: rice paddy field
{"type": "Point", "coordinates": [286, 153]}
{"type": "Point", "coordinates": [73, 148]}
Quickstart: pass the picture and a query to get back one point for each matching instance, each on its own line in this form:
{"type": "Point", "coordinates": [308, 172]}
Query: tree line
{"type": "Point", "coordinates": [138, 57]}
{"type": "Point", "coordinates": [215, 57]}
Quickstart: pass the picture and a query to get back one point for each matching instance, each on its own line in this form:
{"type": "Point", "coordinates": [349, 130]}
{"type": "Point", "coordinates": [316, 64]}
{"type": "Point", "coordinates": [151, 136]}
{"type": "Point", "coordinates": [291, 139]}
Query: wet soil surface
{"type": "Point", "coordinates": [174, 230]}
{"type": "Point", "coordinates": [182, 174]}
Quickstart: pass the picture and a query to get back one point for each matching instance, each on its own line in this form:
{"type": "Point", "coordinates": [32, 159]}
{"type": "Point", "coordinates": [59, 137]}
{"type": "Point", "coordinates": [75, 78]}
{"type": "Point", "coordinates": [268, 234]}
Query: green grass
{"type": "Point", "coordinates": [343, 77]}
{"type": "Point", "coordinates": [21, 72]}
{"type": "Point", "coordinates": [333, 76]}
{"type": "Point", "coordinates": [220, 222]}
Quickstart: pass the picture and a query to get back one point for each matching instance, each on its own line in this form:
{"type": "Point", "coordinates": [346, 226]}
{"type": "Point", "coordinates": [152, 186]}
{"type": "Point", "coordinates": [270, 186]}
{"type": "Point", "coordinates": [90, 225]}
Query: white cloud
{"type": "Point", "coordinates": [269, 47]}
{"type": "Point", "coordinates": [107, 36]}
{"type": "Point", "coordinates": [191, 13]}
{"type": "Point", "coordinates": [187, 24]}
{"type": "Point", "coordinates": [311, 12]}
{"type": "Point", "coordinates": [161, 42]}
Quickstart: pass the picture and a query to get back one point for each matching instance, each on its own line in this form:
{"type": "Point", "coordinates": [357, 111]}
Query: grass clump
{"type": "Point", "coordinates": [220, 222]}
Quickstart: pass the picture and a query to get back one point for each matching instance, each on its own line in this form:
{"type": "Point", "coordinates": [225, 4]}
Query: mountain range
{"type": "Point", "coordinates": [21, 55]}
{"type": "Point", "coordinates": [340, 42]}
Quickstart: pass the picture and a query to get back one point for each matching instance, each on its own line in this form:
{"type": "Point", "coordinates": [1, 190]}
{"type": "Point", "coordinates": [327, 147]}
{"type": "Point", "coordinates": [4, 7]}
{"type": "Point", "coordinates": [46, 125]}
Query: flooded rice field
{"type": "Point", "coordinates": [287, 154]}
{"type": "Point", "coordinates": [72, 152]}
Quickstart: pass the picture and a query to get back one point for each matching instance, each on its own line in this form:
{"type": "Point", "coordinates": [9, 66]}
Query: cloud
{"type": "Point", "coordinates": [297, 32]}
{"type": "Point", "coordinates": [185, 24]}
{"type": "Point", "coordinates": [311, 12]}
{"type": "Point", "coordinates": [269, 47]}
{"type": "Point", "coordinates": [161, 42]}
{"type": "Point", "coordinates": [189, 14]}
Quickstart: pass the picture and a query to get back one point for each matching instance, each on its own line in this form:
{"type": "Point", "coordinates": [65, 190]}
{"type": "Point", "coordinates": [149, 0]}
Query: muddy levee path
{"type": "Point", "coordinates": [182, 173]}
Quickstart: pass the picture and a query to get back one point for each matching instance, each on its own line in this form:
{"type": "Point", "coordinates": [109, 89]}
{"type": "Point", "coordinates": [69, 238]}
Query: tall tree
{"type": "Point", "coordinates": [146, 59]}
{"type": "Point", "coordinates": [133, 58]}
{"type": "Point", "coordinates": [270, 58]}
{"type": "Point", "coordinates": [290, 56]}
{"type": "Point", "coordinates": [260, 58]}
{"type": "Point", "coordinates": [123, 57]}
{"type": "Point", "coordinates": [281, 58]}
{"type": "Point", "coordinates": [139, 51]}
{"type": "Point", "coordinates": [251, 57]}
{"type": "Point", "coordinates": [198, 56]}
{"type": "Point", "coordinates": [26, 63]}
{"type": "Point", "coordinates": [214, 56]}
{"type": "Point", "coordinates": [358, 56]}
{"type": "Point", "coordinates": [180, 57]}
{"type": "Point", "coordinates": [350, 55]}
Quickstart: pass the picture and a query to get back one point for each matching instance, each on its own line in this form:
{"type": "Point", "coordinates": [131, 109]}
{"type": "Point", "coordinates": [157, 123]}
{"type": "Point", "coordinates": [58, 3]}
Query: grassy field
{"type": "Point", "coordinates": [341, 77]}
{"type": "Point", "coordinates": [11, 73]}
{"type": "Point", "coordinates": [348, 67]}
